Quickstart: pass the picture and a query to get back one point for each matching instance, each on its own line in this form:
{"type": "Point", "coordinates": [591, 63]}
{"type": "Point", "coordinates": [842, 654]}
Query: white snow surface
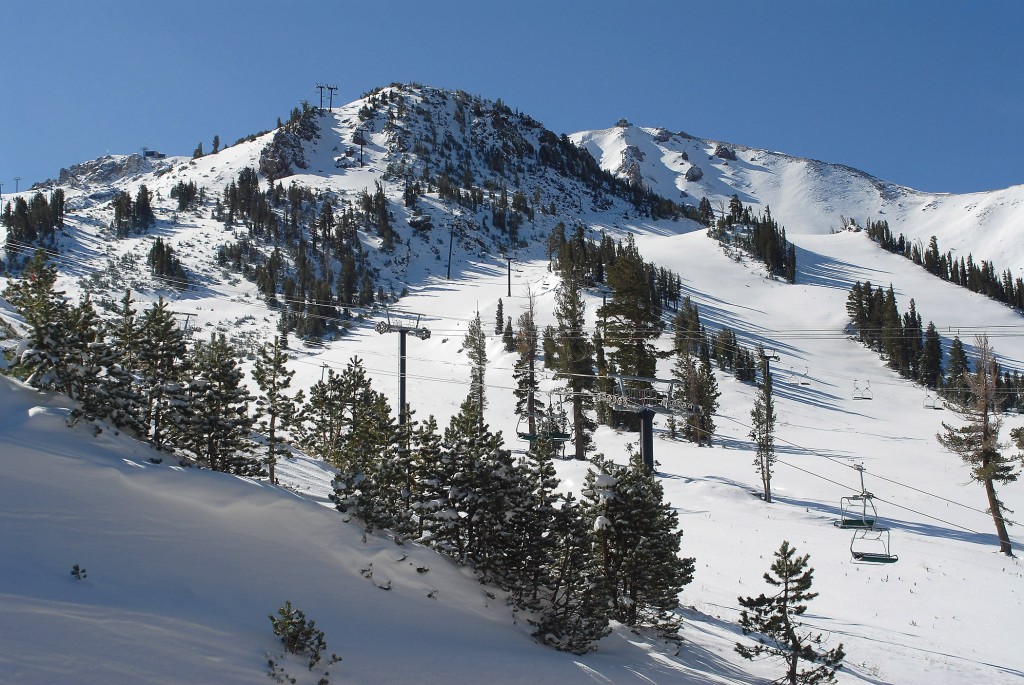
{"type": "Point", "coordinates": [185, 565]}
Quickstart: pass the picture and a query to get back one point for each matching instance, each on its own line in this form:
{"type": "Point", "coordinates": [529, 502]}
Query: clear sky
{"type": "Point", "coordinates": [926, 93]}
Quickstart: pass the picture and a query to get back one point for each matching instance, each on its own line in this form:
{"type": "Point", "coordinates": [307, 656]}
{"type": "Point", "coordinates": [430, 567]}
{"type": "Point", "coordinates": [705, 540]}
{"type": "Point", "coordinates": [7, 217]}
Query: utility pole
{"type": "Point", "coordinates": [16, 180]}
{"type": "Point", "coordinates": [509, 258]}
{"type": "Point", "coordinates": [767, 359]}
{"type": "Point", "coordinates": [451, 239]}
{"type": "Point", "coordinates": [421, 333]}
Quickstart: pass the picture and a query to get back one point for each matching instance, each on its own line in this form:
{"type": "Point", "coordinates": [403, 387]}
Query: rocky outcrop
{"type": "Point", "coordinates": [694, 173]}
{"type": "Point", "coordinates": [284, 153]}
{"type": "Point", "coordinates": [725, 152]}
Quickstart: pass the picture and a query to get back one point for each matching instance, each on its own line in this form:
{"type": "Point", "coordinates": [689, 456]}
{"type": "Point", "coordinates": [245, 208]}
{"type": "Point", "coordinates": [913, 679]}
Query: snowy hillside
{"type": "Point", "coordinates": [809, 196]}
{"type": "Point", "coordinates": [184, 565]}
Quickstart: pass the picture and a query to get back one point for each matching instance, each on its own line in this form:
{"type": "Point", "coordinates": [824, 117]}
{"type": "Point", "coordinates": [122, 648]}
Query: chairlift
{"type": "Point", "coordinates": [872, 546]}
{"type": "Point", "coordinates": [523, 430]}
{"type": "Point", "coordinates": [804, 378]}
{"type": "Point", "coordinates": [870, 543]}
{"type": "Point", "coordinates": [862, 392]}
{"type": "Point", "coordinates": [932, 402]}
{"type": "Point", "coordinates": [857, 511]}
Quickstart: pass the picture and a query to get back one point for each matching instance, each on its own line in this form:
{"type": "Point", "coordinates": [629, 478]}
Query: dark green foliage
{"type": "Point", "coordinates": [187, 195]}
{"type": "Point", "coordinates": [632, 319]}
{"type": "Point", "coordinates": [979, 277]}
{"type": "Point", "coordinates": [774, 621]}
{"type": "Point", "coordinates": [575, 602]}
{"type": "Point", "coordinates": [161, 368]}
{"type": "Point", "coordinates": [215, 424]}
{"type": "Point", "coordinates": [62, 336]}
{"type": "Point", "coordinates": [700, 389]}
{"type": "Point", "coordinates": [637, 543]}
{"type": "Point", "coordinates": [475, 345]}
{"type": "Point", "coordinates": [165, 265]}
{"type": "Point", "coordinates": [574, 361]}
{"type": "Point", "coordinates": [299, 635]}
{"type": "Point", "coordinates": [35, 221]}
{"type": "Point", "coordinates": [114, 395]}
{"type": "Point", "coordinates": [977, 442]}
{"type": "Point", "coordinates": [275, 409]}
{"type": "Point", "coordinates": [907, 348]}
{"type": "Point", "coordinates": [760, 236]}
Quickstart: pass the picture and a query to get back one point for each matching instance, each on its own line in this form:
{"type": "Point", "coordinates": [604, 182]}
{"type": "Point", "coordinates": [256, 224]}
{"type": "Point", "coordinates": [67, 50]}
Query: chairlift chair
{"type": "Point", "coordinates": [932, 402]}
{"type": "Point", "coordinates": [872, 546]}
{"type": "Point", "coordinates": [857, 511]}
{"type": "Point", "coordinates": [862, 392]}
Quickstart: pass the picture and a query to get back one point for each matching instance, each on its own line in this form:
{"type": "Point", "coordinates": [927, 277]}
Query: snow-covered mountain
{"type": "Point", "coordinates": [159, 542]}
{"type": "Point", "coordinates": [809, 196]}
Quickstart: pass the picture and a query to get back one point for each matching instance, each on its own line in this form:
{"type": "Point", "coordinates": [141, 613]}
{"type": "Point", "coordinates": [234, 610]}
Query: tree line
{"type": "Point", "coordinates": [978, 277]}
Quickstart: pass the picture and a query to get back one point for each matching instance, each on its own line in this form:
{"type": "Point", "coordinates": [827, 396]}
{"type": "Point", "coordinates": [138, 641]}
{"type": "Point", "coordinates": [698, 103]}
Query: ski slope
{"type": "Point", "coordinates": [184, 566]}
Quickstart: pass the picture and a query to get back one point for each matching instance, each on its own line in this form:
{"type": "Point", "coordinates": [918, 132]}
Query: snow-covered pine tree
{"type": "Point", "coordinates": [475, 345]}
{"type": "Point", "coordinates": [60, 335]}
{"type": "Point", "coordinates": [530, 524]}
{"type": "Point", "coordinates": [365, 448]}
{"type": "Point", "coordinates": [216, 426]}
{"type": "Point", "coordinates": [421, 491]}
{"type": "Point", "coordinates": [274, 407]}
{"type": "Point", "coordinates": [162, 364]}
{"type": "Point", "coordinates": [637, 543]}
{"type": "Point", "coordinates": [458, 524]}
{"type": "Point", "coordinates": [775, 622]}
{"type": "Point", "coordinates": [574, 604]}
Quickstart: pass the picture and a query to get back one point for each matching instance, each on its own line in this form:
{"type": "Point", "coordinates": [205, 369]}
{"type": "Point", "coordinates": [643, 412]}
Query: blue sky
{"type": "Point", "coordinates": [926, 93]}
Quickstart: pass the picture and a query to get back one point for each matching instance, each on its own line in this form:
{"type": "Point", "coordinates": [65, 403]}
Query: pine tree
{"type": "Point", "coordinates": [930, 365]}
{"type": "Point", "coordinates": [575, 611]}
{"type": "Point", "coordinates": [775, 621]}
{"type": "Point", "coordinates": [637, 543]}
{"type": "Point", "coordinates": [60, 336]}
{"type": "Point", "coordinates": [528, 407]}
{"type": "Point", "coordinates": [475, 345]}
{"type": "Point", "coordinates": [274, 408]}
{"type": "Point", "coordinates": [977, 443]}
{"type": "Point", "coordinates": [699, 389]}
{"type": "Point", "coordinates": [321, 422]}
{"type": "Point", "coordinates": [508, 336]}
{"type": "Point", "coordinates": [161, 369]}
{"type": "Point", "coordinates": [142, 211]}
{"type": "Point", "coordinates": [216, 425]}
{"type": "Point", "coordinates": [955, 387]}
{"type": "Point", "coordinates": [462, 525]}
{"type": "Point", "coordinates": [575, 361]}
{"type": "Point", "coordinates": [632, 318]}
{"type": "Point", "coordinates": [762, 431]}
{"type": "Point", "coordinates": [499, 319]}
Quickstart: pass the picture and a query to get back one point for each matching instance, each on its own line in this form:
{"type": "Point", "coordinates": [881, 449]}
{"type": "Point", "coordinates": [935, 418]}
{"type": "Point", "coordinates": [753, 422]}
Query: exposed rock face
{"type": "Point", "coordinates": [107, 169]}
{"type": "Point", "coordinates": [630, 166]}
{"type": "Point", "coordinates": [283, 154]}
{"type": "Point", "coordinates": [662, 135]}
{"type": "Point", "coordinates": [694, 173]}
{"type": "Point", "coordinates": [724, 152]}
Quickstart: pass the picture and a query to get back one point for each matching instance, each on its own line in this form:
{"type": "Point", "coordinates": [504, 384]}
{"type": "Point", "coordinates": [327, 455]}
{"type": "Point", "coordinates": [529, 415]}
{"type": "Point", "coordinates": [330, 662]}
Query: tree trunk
{"type": "Point", "coordinates": [997, 517]}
